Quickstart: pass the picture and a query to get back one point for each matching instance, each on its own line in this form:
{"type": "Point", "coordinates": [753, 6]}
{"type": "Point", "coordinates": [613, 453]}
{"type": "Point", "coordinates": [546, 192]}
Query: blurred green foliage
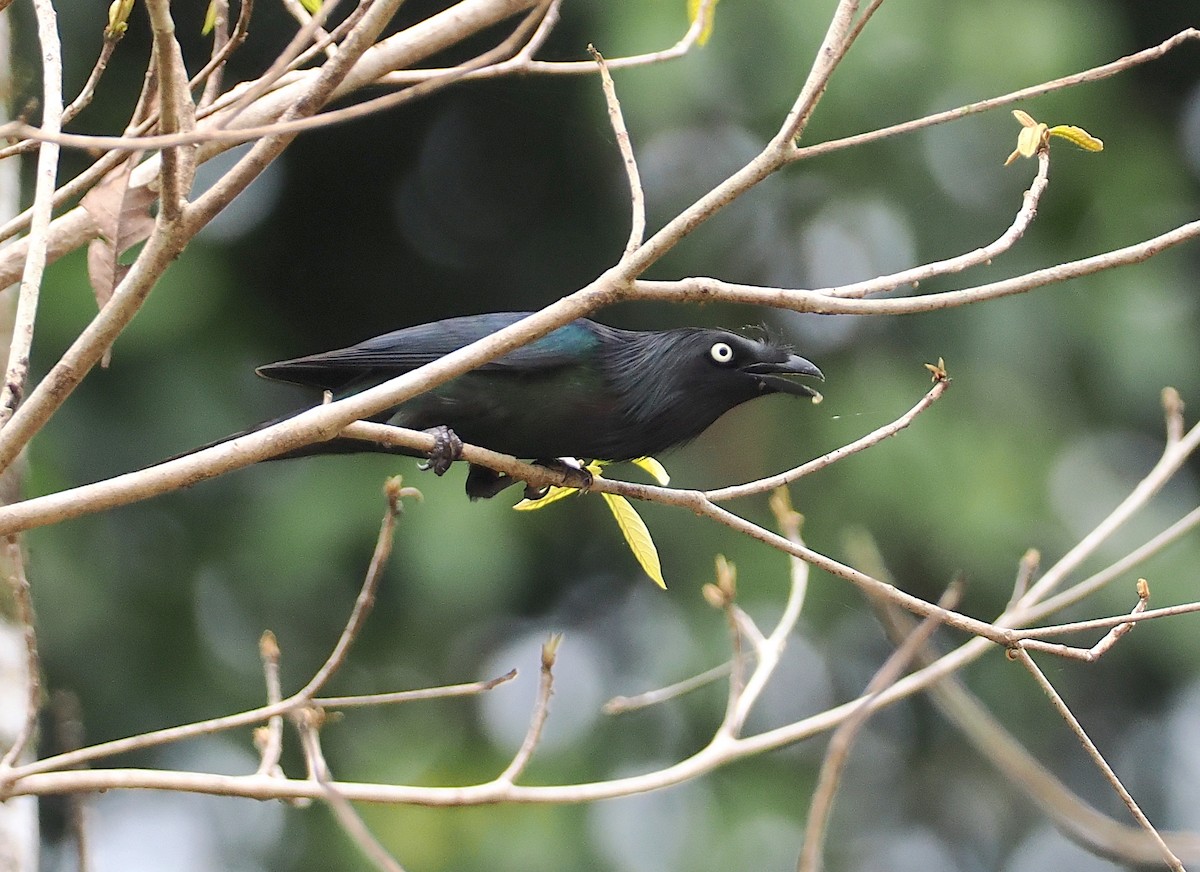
{"type": "Point", "coordinates": [505, 195]}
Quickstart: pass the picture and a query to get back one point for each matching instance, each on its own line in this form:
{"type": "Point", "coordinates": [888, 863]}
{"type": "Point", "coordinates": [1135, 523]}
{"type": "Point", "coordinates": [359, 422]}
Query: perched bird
{"type": "Point", "coordinates": [585, 390]}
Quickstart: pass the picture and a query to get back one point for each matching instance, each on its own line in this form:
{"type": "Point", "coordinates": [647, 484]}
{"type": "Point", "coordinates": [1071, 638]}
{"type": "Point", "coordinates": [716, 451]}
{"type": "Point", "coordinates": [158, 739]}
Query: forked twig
{"type": "Point", "coordinates": [308, 722]}
{"type": "Point", "coordinates": [1075, 818]}
{"type": "Point", "coordinates": [768, 650]}
{"type": "Point", "coordinates": [1094, 653]}
{"type": "Point", "coordinates": [270, 737]}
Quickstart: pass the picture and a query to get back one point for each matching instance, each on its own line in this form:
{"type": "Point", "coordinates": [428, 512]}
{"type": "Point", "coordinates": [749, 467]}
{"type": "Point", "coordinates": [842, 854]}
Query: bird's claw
{"type": "Point", "coordinates": [447, 448]}
{"type": "Point", "coordinates": [580, 479]}
{"type": "Point", "coordinates": [574, 475]}
{"type": "Point", "coordinates": [533, 494]}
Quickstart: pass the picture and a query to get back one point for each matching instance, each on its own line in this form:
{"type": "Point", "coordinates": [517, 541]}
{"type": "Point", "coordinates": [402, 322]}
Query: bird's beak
{"type": "Point", "coordinates": [770, 375]}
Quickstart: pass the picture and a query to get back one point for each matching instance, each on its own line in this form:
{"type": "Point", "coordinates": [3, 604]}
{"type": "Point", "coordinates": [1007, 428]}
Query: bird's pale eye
{"type": "Point", "coordinates": [721, 352]}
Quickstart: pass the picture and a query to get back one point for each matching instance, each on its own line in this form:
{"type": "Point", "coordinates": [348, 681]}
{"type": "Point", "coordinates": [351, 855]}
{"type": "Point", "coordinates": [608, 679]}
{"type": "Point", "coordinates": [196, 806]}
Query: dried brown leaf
{"type": "Point", "coordinates": [122, 214]}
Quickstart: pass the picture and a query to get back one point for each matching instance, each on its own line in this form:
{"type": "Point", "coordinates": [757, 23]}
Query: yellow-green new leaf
{"type": "Point", "coordinates": [1077, 136]}
{"type": "Point", "coordinates": [637, 536]}
{"type": "Point", "coordinates": [654, 469]}
{"type": "Point", "coordinates": [210, 18]}
{"type": "Point", "coordinates": [709, 14]}
{"type": "Point", "coordinates": [118, 17]}
{"type": "Point", "coordinates": [1034, 136]}
{"type": "Point", "coordinates": [555, 494]}
{"type": "Point", "coordinates": [313, 6]}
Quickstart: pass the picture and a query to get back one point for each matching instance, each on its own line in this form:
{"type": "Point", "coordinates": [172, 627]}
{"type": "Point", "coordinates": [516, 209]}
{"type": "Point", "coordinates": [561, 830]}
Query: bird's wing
{"type": "Point", "coordinates": [403, 350]}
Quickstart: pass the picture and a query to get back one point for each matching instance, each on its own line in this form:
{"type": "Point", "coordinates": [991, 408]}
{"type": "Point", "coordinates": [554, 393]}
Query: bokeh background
{"type": "Point", "coordinates": [507, 194]}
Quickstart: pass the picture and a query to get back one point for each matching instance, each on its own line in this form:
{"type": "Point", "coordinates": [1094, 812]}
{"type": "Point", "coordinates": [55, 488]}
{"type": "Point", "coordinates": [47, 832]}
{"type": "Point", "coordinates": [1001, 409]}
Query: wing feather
{"type": "Point", "coordinates": [401, 351]}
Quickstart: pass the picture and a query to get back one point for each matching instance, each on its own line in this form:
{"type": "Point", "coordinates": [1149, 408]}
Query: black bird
{"type": "Point", "coordinates": [585, 390]}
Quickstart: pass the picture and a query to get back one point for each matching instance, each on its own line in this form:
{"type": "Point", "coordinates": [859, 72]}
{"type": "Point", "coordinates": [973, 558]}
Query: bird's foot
{"type": "Point", "coordinates": [447, 448]}
{"type": "Point", "coordinates": [484, 483]}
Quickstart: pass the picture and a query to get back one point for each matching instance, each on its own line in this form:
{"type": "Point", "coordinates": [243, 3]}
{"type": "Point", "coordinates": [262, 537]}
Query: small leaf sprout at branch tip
{"type": "Point", "coordinates": [550, 650]}
{"type": "Point", "coordinates": [1035, 136]}
{"type": "Point", "coordinates": [720, 595]}
{"type": "Point", "coordinates": [118, 18]}
{"type": "Point", "coordinates": [396, 493]}
{"type": "Point", "coordinates": [938, 370]}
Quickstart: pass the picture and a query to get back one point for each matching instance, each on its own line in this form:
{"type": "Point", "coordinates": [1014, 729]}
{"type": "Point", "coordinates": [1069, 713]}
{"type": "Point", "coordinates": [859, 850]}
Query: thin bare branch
{"type": "Point", "coordinates": [307, 723]}
{"type": "Point", "coordinates": [366, 595]}
{"type": "Point", "coordinates": [81, 102]}
{"type": "Point", "coordinates": [17, 368]}
{"type": "Point", "coordinates": [67, 718]}
{"type": "Point", "coordinates": [472, 688]}
{"type": "Point", "coordinates": [1031, 560]}
{"type": "Point", "coordinates": [985, 255]}
{"type": "Point", "coordinates": [1094, 74]}
{"type": "Point", "coordinates": [541, 710]}
{"type": "Point", "coordinates": [405, 48]}
{"type": "Point", "coordinates": [77, 757]}
{"type": "Point", "coordinates": [1137, 616]}
{"type": "Point", "coordinates": [88, 91]}
{"type": "Point", "coordinates": [1173, 411]}
{"type": "Point", "coordinates": [282, 63]}
{"type": "Point", "coordinates": [22, 599]}
{"type": "Point", "coordinates": [701, 289]}
{"type": "Point", "coordinates": [300, 116]}
{"type": "Point", "coordinates": [1091, 655]}
{"type": "Point", "coordinates": [1173, 457]}
{"type": "Point", "coordinates": [621, 704]}
{"type": "Point", "coordinates": [722, 595]}
{"type": "Point", "coordinates": [838, 39]}
{"type": "Point", "coordinates": [838, 753]}
{"type": "Point", "coordinates": [223, 48]}
{"type": "Point", "coordinates": [1019, 654]}
{"type": "Point", "coordinates": [525, 64]}
{"type": "Point", "coordinates": [292, 123]}
{"type": "Point", "coordinates": [270, 737]}
{"type": "Point", "coordinates": [549, 13]}
{"type": "Point", "coordinates": [69, 191]}
{"type": "Point", "coordinates": [637, 197]}
{"type": "Point", "coordinates": [1080, 822]}
{"type": "Point", "coordinates": [873, 438]}
{"type": "Point", "coordinates": [311, 24]}
{"type": "Point", "coordinates": [286, 72]}
{"type": "Point", "coordinates": [168, 241]}
{"type": "Point", "coordinates": [219, 10]}
{"type": "Point", "coordinates": [176, 113]}
{"type": "Point", "coordinates": [769, 650]}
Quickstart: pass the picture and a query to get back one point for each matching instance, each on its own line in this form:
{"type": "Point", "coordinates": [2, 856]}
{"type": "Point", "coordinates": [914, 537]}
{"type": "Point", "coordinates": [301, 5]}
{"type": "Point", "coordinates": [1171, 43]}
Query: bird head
{"type": "Point", "coordinates": [677, 382]}
{"type": "Point", "coordinates": [765, 364]}
{"type": "Point", "coordinates": [731, 366]}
